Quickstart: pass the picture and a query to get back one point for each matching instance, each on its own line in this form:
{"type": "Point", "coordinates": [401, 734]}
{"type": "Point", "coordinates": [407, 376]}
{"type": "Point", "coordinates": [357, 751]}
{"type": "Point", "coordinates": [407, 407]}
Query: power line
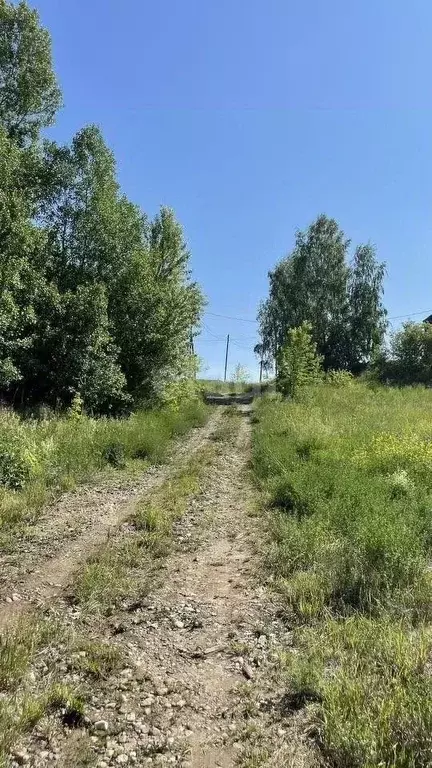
{"type": "Point", "coordinates": [217, 336]}
{"type": "Point", "coordinates": [410, 314]}
{"type": "Point", "coordinates": [230, 317]}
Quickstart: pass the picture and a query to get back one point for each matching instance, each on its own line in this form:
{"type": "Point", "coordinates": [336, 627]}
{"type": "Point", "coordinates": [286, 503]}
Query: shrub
{"type": "Point", "coordinates": [298, 362]}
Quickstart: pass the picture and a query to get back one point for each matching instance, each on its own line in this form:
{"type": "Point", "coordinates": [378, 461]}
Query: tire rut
{"type": "Point", "coordinates": [68, 532]}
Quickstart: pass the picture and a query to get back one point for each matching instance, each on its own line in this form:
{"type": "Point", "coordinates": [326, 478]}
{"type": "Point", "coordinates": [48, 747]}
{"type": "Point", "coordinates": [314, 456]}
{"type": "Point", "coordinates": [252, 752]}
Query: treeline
{"type": "Point", "coordinates": [340, 298]}
{"type": "Point", "coordinates": [96, 300]}
{"type": "Point", "coordinates": [325, 313]}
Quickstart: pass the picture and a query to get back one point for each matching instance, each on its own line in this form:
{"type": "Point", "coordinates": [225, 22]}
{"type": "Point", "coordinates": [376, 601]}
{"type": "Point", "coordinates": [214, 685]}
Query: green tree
{"type": "Point", "coordinates": [409, 357]}
{"type": "Point", "coordinates": [73, 353]}
{"type": "Point", "coordinates": [29, 94]}
{"type": "Point", "coordinates": [299, 365]}
{"type": "Point", "coordinates": [315, 284]}
{"type": "Point", "coordinates": [155, 309]}
{"type": "Point", "coordinates": [92, 229]}
{"type": "Point", "coordinates": [367, 315]}
{"type": "Point", "coordinates": [310, 285]}
{"type": "Point", "coordinates": [20, 245]}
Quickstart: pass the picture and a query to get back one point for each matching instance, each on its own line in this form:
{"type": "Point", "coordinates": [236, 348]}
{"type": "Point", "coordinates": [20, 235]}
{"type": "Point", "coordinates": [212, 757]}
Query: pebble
{"type": "Point", "coordinates": [122, 759]}
{"type": "Point", "coordinates": [101, 725]}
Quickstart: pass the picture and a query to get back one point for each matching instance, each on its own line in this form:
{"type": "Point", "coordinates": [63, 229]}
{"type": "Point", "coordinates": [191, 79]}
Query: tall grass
{"type": "Point", "coordinates": [348, 476]}
{"type": "Point", "coordinates": [41, 458]}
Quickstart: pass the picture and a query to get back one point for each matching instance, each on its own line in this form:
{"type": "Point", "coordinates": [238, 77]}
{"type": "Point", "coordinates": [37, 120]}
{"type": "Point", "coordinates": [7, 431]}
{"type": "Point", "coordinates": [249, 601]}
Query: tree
{"type": "Point", "coordinates": [366, 310]}
{"type": "Point", "coordinates": [315, 284]}
{"type": "Point", "coordinates": [20, 244]}
{"type": "Point", "coordinates": [155, 308]}
{"type": "Point", "coordinates": [92, 229]}
{"type": "Point", "coordinates": [241, 374]}
{"type": "Point", "coordinates": [299, 365]}
{"type": "Point", "coordinates": [29, 94]}
{"type": "Point", "coordinates": [409, 357]}
{"type": "Point", "coordinates": [96, 301]}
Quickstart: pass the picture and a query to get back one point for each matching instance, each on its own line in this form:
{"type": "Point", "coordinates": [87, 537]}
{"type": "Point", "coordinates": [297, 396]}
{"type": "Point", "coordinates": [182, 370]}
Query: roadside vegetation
{"type": "Point", "coordinates": [346, 470]}
{"type": "Point", "coordinates": [41, 458]}
{"type": "Point", "coordinates": [97, 299]}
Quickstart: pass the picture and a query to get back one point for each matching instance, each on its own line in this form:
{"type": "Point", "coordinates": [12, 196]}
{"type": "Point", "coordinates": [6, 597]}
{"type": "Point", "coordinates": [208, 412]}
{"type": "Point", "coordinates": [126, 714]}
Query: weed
{"type": "Point", "coordinates": [347, 474]}
{"type": "Point", "coordinates": [41, 458]}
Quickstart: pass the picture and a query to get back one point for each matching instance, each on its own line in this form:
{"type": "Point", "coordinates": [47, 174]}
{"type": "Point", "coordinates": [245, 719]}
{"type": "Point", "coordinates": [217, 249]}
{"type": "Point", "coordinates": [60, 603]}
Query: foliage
{"type": "Point", "coordinates": [241, 374]}
{"type": "Point", "coordinates": [298, 362]}
{"type": "Point", "coordinates": [42, 458]}
{"type": "Point", "coordinates": [96, 301]}
{"type": "Point", "coordinates": [409, 357]}
{"type": "Point", "coordinates": [342, 302]}
{"type": "Point", "coordinates": [348, 478]}
{"type": "Point", "coordinates": [29, 93]}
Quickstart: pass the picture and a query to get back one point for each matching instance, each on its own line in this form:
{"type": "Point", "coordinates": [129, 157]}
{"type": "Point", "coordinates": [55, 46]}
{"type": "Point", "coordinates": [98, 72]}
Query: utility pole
{"type": "Point", "coordinates": [226, 357]}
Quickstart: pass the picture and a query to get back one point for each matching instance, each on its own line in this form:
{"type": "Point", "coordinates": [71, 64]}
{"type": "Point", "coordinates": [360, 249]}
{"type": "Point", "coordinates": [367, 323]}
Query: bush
{"type": "Point", "coordinates": [298, 362]}
{"type": "Point", "coordinates": [409, 357]}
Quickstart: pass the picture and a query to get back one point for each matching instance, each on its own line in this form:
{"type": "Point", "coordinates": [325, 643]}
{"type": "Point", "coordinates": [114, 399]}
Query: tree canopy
{"type": "Point", "coordinates": [96, 298]}
{"type": "Point", "coordinates": [341, 300]}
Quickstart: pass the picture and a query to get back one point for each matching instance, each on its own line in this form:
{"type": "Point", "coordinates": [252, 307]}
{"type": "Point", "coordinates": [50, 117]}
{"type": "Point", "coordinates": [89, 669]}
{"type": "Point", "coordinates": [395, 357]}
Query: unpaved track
{"type": "Point", "coordinates": [70, 530]}
{"type": "Point", "coordinates": [199, 685]}
{"type": "Point", "coordinates": [212, 634]}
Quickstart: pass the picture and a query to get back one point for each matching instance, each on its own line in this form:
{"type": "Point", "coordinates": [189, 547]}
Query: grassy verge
{"type": "Point", "coordinates": [40, 459]}
{"type": "Point", "coordinates": [347, 475]}
{"type": "Point", "coordinates": [125, 567]}
{"type": "Point", "coordinates": [21, 706]}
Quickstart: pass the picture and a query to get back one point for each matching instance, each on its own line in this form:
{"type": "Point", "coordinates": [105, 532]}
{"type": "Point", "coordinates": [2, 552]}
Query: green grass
{"type": "Point", "coordinates": [41, 458]}
{"type": "Point", "coordinates": [347, 475]}
{"type": "Point", "coordinates": [20, 706]}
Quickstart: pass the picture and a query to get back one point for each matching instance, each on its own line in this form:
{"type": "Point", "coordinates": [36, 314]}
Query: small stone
{"type": "Point", "coordinates": [8, 599]}
{"type": "Point", "coordinates": [101, 725]}
{"type": "Point", "coordinates": [161, 690]}
{"type": "Point", "coordinates": [247, 671]}
{"type": "Point", "coordinates": [16, 597]}
{"type": "Point", "coordinates": [147, 702]}
{"type": "Point", "coordinates": [122, 759]}
{"type": "Point", "coordinates": [178, 624]}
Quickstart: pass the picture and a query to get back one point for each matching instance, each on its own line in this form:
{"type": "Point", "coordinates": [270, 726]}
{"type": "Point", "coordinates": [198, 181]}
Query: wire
{"type": "Point", "coordinates": [411, 314]}
{"type": "Point", "coordinates": [218, 337]}
{"type": "Point", "coordinates": [229, 317]}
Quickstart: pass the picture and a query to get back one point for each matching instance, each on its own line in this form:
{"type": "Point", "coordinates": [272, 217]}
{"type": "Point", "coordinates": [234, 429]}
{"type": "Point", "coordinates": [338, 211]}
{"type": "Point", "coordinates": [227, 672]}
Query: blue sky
{"type": "Point", "coordinates": [250, 117]}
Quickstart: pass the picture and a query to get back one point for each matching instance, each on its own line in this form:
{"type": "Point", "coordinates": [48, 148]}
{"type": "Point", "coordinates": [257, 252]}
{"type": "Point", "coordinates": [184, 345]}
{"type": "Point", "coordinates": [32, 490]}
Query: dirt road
{"type": "Point", "coordinates": [199, 684]}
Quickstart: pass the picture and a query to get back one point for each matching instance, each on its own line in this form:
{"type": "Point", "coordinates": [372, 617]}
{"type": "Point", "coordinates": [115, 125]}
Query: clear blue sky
{"type": "Point", "coordinates": [250, 117]}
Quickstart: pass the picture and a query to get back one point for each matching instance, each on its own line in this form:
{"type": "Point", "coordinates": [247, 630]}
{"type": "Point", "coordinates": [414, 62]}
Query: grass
{"type": "Point", "coordinates": [124, 568]}
{"type": "Point", "coordinates": [39, 459]}
{"type": "Point", "coordinates": [21, 708]}
{"type": "Point", "coordinates": [347, 474]}
{"type": "Point", "coordinates": [217, 386]}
